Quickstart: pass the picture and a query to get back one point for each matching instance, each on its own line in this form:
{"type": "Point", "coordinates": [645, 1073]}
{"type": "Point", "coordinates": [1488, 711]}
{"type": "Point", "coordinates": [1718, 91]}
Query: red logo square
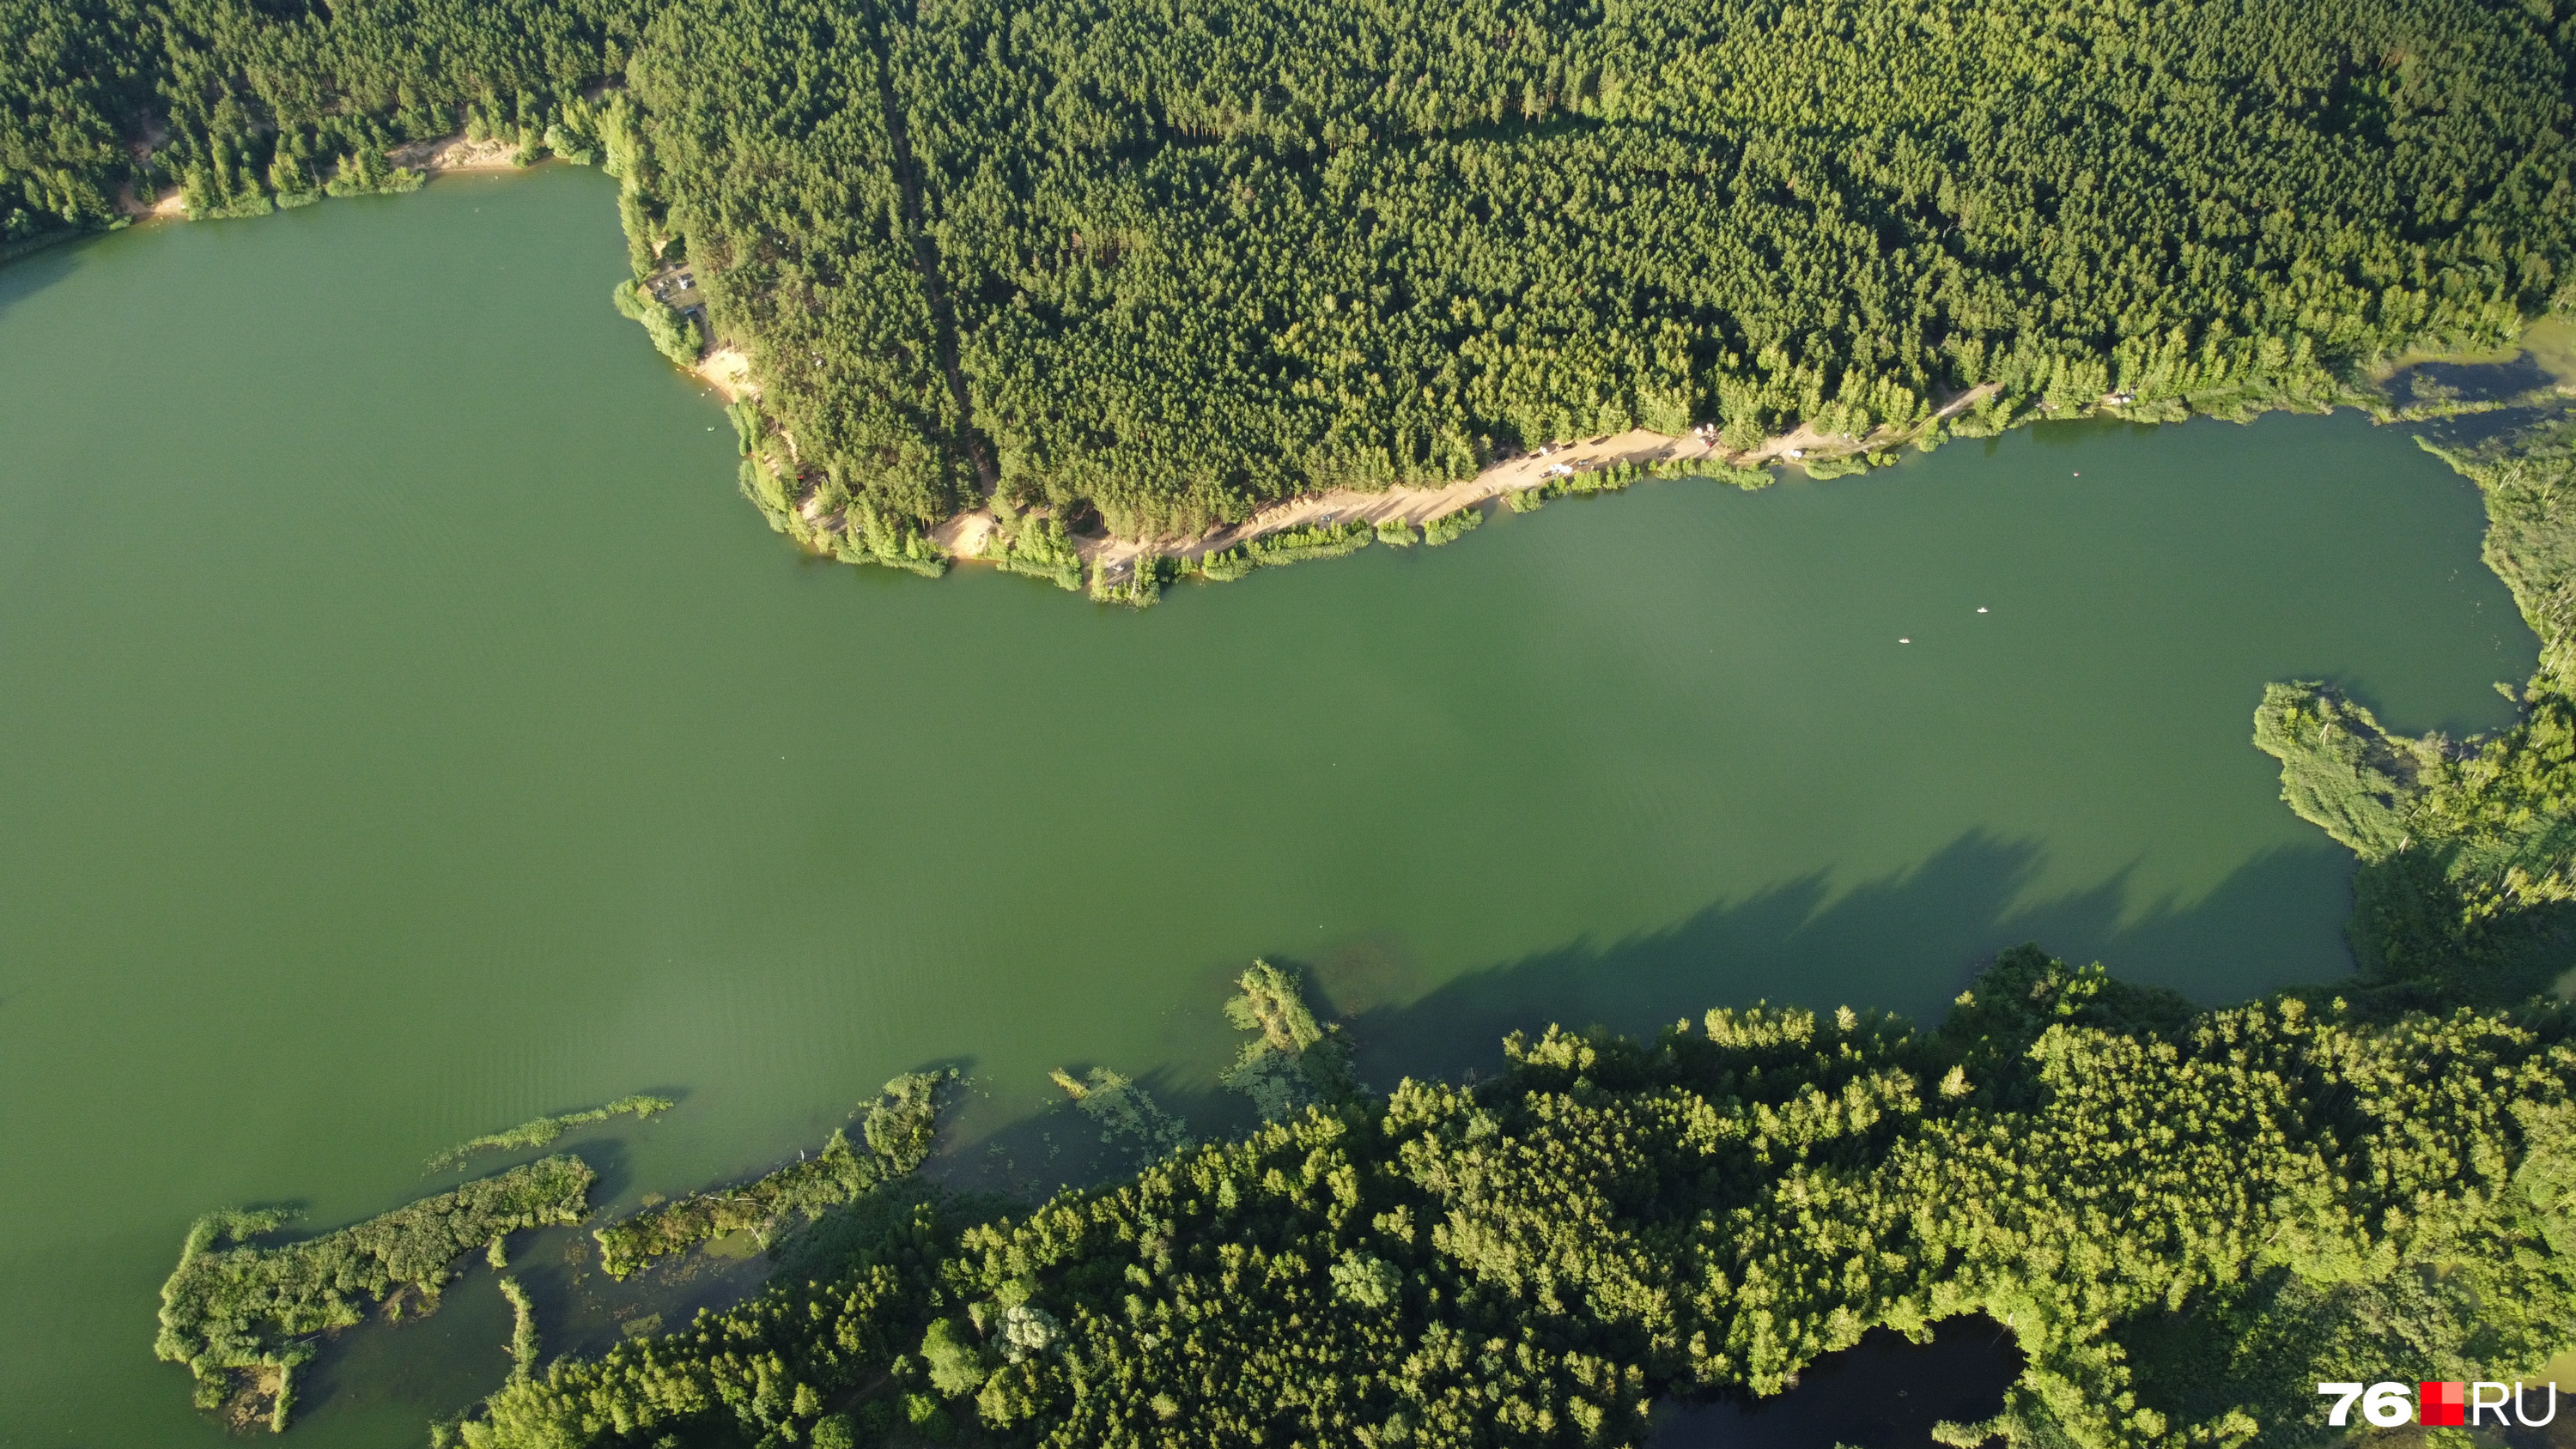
{"type": "Point", "coordinates": [2441, 1405]}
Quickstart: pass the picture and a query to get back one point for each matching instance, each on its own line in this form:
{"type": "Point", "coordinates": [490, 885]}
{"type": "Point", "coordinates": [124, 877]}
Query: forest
{"type": "Point", "coordinates": [1145, 269]}
{"type": "Point", "coordinates": [1174, 264]}
{"type": "Point", "coordinates": [2186, 1217]}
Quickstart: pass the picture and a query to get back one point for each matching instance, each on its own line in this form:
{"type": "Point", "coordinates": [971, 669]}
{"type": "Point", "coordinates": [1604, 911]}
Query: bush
{"type": "Point", "coordinates": [1450, 527]}
{"type": "Point", "coordinates": [674, 333]}
{"type": "Point", "coordinates": [898, 1130]}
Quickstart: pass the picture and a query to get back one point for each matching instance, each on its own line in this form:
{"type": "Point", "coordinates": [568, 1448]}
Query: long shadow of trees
{"type": "Point", "coordinates": [1908, 942]}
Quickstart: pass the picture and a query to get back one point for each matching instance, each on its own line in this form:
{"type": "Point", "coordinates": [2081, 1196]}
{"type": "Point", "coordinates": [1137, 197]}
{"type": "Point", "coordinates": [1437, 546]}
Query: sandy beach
{"type": "Point", "coordinates": [1111, 557]}
{"type": "Point", "coordinates": [455, 153]}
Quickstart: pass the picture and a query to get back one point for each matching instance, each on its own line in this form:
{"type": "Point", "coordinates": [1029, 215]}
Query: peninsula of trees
{"type": "Point", "coordinates": [1147, 268]}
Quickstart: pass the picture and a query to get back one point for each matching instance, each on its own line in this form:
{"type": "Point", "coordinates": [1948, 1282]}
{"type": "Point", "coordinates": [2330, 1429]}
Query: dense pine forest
{"type": "Point", "coordinates": [1148, 267]}
{"type": "Point", "coordinates": [2186, 1219]}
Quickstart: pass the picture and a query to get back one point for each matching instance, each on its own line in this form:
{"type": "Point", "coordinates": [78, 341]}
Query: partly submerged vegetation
{"type": "Point", "coordinates": [2467, 884]}
{"type": "Point", "coordinates": [2187, 1218]}
{"type": "Point", "coordinates": [896, 1134]}
{"type": "Point", "coordinates": [542, 1130]}
{"type": "Point", "coordinates": [234, 1304]}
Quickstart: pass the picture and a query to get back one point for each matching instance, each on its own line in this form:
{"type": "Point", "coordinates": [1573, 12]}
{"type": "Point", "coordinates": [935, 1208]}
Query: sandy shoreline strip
{"type": "Point", "coordinates": [1112, 557]}
{"type": "Point", "coordinates": [455, 153]}
{"type": "Point", "coordinates": [430, 158]}
{"type": "Point", "coordinates": [726, 371]}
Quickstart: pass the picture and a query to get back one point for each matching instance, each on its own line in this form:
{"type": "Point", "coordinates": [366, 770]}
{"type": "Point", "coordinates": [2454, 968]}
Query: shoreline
{"type": "Point", "coordinates": [430, 158]}
{"type": "Point", "coordinates": [1109, 560]}
{"type": "Point", "coordinates": [1415, 505]}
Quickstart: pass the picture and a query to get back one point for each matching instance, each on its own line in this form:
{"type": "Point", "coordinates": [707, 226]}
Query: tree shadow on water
{"type": "Point", "coordinates": [1908, 942]}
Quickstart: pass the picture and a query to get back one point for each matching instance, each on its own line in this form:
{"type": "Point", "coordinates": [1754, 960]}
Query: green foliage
{"type": "Point", "coordinates": [1842, 466]}
{"type": "Point", "coordinates": [674, 333]}
{"type": "Point", "coordinates": [1396, 533]}
{"type": "Point", "coordinates": [244, 106]}
{"type": "Point", "coordinates": [543, 1130]}
{"type": "Point", "coordinates": [1038, 547]}
{"type": "Point", "coordinates": [897, 1133]}
{"type": "Point", "coordinates": [1108, 256]}
{"type": "Point", "coordinates": [1125, 1112]}
{"type": "Point", "coordinates": [868, 536]}
{"type": "Point", "coordinates": [1364, 1281]}
{"type": "Point", "coordinates": [956, 1362]}
{"type": "Point", "coordinates": [2467, 884]}
{"type": "Point", "coordinates": [777, 1358]}
{"type": "Point", "coordinates": [1450, 527]}
{"type": "Point", "coordinates": [1610, 479]}
{"type": "Point", "coordinates": [1179, 266]}
{"type": "Point", "coordinates": [1141, 586]}
{"type": "Point", "coordinates": [1287, 546]}
{"type": "Point", "coordinates": [923, 1415]}
{"type": "Point", "coordinates": [366, 172]}
{"type": "Point", "coordinates": [2339, 769]}
{"type": "Point", "coordinates": [524, 1343]}
{"type": "Point", "coordinates": [1292, 1062]}
{"type": "Point", "coordinates": [227, 1308]}
{"type": "Point", "coordinates": [2186, 1217]}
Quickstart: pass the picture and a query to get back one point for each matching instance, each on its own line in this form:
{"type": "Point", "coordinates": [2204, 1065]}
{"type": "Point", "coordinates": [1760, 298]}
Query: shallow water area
{"type": "Point", "coordinates": [405, 730]}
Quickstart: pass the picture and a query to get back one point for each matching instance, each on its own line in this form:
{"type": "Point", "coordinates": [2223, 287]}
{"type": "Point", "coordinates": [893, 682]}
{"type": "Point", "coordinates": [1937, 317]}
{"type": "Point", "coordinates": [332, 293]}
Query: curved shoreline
{"type": "Point", "coordinates": [429, 158]}
{"type": "Point", "coordinates": [1110, 556]}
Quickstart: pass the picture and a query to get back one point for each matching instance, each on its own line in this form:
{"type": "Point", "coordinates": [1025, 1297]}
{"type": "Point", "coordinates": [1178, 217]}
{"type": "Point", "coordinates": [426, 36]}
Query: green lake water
{"type": "Point", "coordinates": [405, 729]}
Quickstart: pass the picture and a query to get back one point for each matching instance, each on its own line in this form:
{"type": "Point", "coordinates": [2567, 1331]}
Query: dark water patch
{"type": "Point", "coordinates": [2468, 382]}
{"type": "Point", "coordinates": [1946, 917]}
{"type": "Point", "coordinates": [450, 1356]}
{"type": "Point", "coordinates": [1058, 1146]}
{"type": "Point", "coordinates": [2470, 429]}
{"type": "Point", "coordinates": [1882, 1393]}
